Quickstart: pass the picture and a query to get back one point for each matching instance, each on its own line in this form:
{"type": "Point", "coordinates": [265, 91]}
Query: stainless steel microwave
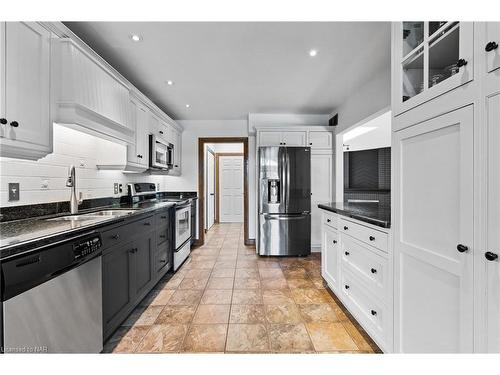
{"type": "Point", "coordinates": [161, 153]}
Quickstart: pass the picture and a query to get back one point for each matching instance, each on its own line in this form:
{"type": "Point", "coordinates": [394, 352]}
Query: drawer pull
{"type": "Point", "coordinates": [163, 217]}
{"type": "Point", "coordinates": [490, 256]}
{"type": "Point", "coordinates": [346, 286]}
{"type": "Point", "coordinates": [462, 248]}
{"type": "Point", "coordinates": [491, 46]}
{"type": "Point", "coordinates": [374, 312]}
{"type": "Point", "coordinates": [147, 223]}
{"type": "Point", "coordinates": [162, 236]}
{"type": "Point", "coordinates": [334, 242]}
{"type": "Point", "coordinates": [346, 228]}
{"type": "Point", "coordinates": [372, 238]}
{"type": "Point", "coordinates": [373, 270]}
{"type": "Point", "coordinates": [346, 253]}
{"type": "Point", "coordinates": [328, 220]}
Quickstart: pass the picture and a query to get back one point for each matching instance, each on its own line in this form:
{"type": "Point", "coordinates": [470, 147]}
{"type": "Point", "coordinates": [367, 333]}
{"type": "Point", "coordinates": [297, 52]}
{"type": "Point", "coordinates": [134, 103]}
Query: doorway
{"type": "Point", "coordinates": [222, 184]}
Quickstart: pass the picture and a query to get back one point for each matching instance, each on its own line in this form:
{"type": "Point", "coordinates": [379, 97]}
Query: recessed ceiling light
{"type": "Point", "coordinates": [187, 105]}
{"type": "Point", "coordinates": [313, 52]}
{"type": "Point", "coordinates": [170, 83]}
{"type": "Point", "coordinates": [136, 37]}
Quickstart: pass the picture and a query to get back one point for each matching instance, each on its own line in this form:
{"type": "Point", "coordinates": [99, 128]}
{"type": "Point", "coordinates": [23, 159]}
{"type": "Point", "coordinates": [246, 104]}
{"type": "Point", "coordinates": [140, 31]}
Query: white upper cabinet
{"type": "Point", "coordinates": [177, 142]}
{"type": "Point", "coordinates": [320, 140]}
{"type": "Point", "coordinates": [433, 234]}
{"type": "Point", "coordinates": [432, 58]}
{"type": "Point", "coordinates": [25, 123]}
{"type": "Point", "coordinates": [492, 46]}
{"type": "Point", "coordinates": [138, 152]}
{"type": "Point", "coordinates": [282, 138]}
{"type": "Point", "coordinates": [89, 94]}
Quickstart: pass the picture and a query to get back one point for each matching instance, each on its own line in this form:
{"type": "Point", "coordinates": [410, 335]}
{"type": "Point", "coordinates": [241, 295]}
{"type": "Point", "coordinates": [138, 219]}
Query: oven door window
{"type": "Point", "coordinates": [183, 226]}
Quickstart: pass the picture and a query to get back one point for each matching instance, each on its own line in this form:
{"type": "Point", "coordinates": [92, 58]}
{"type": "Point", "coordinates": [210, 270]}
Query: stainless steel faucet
{"type": "Point", "coordinates": [73, 201]}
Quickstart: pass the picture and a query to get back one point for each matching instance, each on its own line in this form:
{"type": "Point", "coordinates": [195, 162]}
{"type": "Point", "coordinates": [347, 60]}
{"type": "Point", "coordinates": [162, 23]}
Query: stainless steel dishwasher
{"type": "Point", "coordinates": [52, 298]}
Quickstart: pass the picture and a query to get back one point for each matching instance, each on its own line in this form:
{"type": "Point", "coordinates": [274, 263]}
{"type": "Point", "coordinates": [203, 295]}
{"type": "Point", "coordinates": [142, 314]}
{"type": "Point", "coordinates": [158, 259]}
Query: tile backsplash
{"type": "Point", "coordinates": [44, 180]}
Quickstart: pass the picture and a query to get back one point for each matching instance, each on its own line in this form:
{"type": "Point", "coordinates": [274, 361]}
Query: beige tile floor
{"type": "Point", "coordinates": [225, 298]}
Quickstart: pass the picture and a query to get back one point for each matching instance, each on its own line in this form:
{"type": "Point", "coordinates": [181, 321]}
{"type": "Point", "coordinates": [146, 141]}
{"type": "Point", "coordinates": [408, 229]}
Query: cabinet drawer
{"type": "Point", "coordinates": [368, 235]}
{"type": "Point", "coordinates": [162, 218]}
{"type": "Point", "coordinates": [368, 310]}
{"type": "Point", "coordinates": [330, 219]}
{"type": "Point", "coordinates": [161, 235]}
{"type": "Point", "coordinates": [367, 265]}
{"type": "Point", "coordinates": [126, 231]}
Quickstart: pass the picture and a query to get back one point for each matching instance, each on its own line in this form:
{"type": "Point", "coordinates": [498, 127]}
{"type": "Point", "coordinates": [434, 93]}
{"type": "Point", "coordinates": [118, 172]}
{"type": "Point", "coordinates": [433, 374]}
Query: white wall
{"type": "Point", "coordinates": [44, 181]}
{"type": "Point", "coordinates": [373, 97]}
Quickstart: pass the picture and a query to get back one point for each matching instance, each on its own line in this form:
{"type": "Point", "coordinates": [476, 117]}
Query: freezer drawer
{"type": "Point", "coordinates": [285, 235]}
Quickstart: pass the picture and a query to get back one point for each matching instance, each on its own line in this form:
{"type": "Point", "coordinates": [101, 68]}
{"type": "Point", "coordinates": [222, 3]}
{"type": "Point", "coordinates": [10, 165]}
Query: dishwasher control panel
{"type": "Point", "coordinates": [87, 246]}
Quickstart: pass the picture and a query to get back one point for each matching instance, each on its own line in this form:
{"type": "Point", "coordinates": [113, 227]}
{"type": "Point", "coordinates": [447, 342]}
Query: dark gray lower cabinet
{"type": "Point", "coordinates": [117, 289]}
{"type": "Point", "coordinates": [143, 262]}
{"type": "Point", "coordinates": [129, 273]}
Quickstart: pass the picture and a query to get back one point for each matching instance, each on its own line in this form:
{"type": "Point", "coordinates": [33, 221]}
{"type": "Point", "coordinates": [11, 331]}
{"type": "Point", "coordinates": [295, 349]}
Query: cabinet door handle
{"type": "Point", "coordinates": [162, 236]}
{"type": "Point", "coordinates": [462, 248]}
{"type": "Point", "coordinates": [461, 62]}
{"type": "Point", "coordinates": [346, 286]}
{"type": "Point", "coordinates": [147, 223]}
{"type": "Point", "coordinates": [374, 312]}
{"type": "Point", "coordinates": [372, 238]}
{"type": "Point", "coordinates": [346, 228]}
{"type": "Point", "coordinates": [163, 217]}
{"type": "Point", "coordinates": [132, 251]}
{"type": "Point", "coordinates": [490, 256]}
{"type": "Point", "coordinates": [328, 220]}
{"type": "Point", "coordinates": [3, 121]}
{"type": "Point", "coordinates": [491, 46]}
{"type": "Point", "coordinates": [346, 253]}
{"type": "Point", "coordinates": [310, 143]}
{"type": "Point", "coordinates": [115, 236]}
{"type": "Point", "coordinates": [373, 270]}
{"type": "Point", "coordinates": [14, 124]}
{"type": "Point", "coordinates": [161, 132]}
{"type": "Point", "coordinates": [334, 242]}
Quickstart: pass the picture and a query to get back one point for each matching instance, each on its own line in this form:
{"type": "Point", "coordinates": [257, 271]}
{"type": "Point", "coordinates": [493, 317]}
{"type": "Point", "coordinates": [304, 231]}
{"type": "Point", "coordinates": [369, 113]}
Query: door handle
{"type": "Point", "coordinates": [462, 248]}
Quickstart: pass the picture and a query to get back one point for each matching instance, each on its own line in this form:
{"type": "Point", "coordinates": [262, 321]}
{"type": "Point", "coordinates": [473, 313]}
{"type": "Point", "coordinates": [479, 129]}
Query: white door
{"type": "Point", "coordinates": [321, 191]}
{"type": "Point", "coordinates": [490, 262]}
{"type": "Point", "coordinates": [330, 257]}
{"type": "Point", "coordinates": [231, 189]}
{"type": "Point", "coordinates": [433, 198]}
{"type": "Point", "coordinates": [210, 195]}
{"type": "Point", "coordinates": [26, 94]}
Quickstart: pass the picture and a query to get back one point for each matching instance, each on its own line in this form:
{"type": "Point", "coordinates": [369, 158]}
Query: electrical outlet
{"type": "Point", "coordinates": [82, 163]}
{"type": "Point", "coordinates": [13, 191]}
{"type": "Point", "coordinates": [158, 186]}
{"type": "Point", "coordinates": [44, 185]}
{"type": "Point", "coordinates": [115, 187]}
{"type": "Point", "coordinates": [120, 188]}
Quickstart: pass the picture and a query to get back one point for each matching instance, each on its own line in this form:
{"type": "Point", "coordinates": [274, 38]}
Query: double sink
{"type": "Point", "coordinates": [104, 214]}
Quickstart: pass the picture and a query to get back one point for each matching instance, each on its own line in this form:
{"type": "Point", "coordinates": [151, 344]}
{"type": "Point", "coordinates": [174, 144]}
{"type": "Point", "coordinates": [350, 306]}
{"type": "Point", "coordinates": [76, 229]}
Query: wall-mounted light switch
{"type": "Point", "coordinates": [13, 191]}
{"type": "Point", "coordinates": [115, 188]}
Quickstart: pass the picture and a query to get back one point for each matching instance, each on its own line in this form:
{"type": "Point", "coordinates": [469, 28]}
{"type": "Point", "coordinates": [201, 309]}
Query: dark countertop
{"type": "Point", "coordinates": [19, 236]}
{"type": "Point", "coordinates": [372, 213]}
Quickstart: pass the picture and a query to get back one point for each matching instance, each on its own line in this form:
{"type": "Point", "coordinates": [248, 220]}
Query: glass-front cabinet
{"type": "Point", "coordinates": [432, 57]}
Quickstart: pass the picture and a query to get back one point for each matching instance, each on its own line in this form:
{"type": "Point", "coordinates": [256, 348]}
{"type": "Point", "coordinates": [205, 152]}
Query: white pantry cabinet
{"type": "Point", "coordinates": [138, 152]}
{"type": "Point", "coordinates": [429, 59]}
{"type": "Point", "coordinates": [321, 190]}
{"type": "Point", "coordinates": [433, 234]}
{"type": "Point", "coordinates": [177, 142]}
{"type": "Point", "coordinates": [89, 94]}
{"type": "Point", "coordinates": [25, 94]}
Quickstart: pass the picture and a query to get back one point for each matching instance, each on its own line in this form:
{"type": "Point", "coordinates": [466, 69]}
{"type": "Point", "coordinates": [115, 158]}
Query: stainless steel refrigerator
{"type": "Point", "coordinates": [284, 201]}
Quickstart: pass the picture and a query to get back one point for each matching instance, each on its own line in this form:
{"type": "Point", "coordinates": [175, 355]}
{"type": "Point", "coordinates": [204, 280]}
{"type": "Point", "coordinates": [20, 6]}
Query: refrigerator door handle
{"type": "Point", "coordinates": [285, 217]}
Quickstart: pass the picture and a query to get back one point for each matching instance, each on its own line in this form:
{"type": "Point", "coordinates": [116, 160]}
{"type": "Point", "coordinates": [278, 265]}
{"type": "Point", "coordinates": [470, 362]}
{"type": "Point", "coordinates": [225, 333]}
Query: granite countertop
{"type": "Point", "coordinates": [372, 213]}
{"type": "Point", "coordinates": [22, 235]}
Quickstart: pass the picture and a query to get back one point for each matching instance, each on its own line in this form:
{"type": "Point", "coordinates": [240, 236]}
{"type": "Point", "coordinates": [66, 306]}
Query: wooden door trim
{"type": "Point", "coordinates": [217, 181]}
{"type": "Point", "coordinates": [206, 177]}
{"type": "Point", "coordinates": [201, 184]}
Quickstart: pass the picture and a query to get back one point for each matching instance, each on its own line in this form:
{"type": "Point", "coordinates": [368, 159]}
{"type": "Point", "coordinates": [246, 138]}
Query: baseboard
{"type": "Point", "coordinates": [315, 249]}
{"type": "Point", "coordinates": [250, 242]}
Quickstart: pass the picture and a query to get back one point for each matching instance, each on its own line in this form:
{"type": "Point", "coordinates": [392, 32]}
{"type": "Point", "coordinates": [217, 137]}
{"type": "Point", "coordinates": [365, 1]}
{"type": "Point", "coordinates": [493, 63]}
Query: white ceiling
{"type": "Point", "coordinates": [227, 70]}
